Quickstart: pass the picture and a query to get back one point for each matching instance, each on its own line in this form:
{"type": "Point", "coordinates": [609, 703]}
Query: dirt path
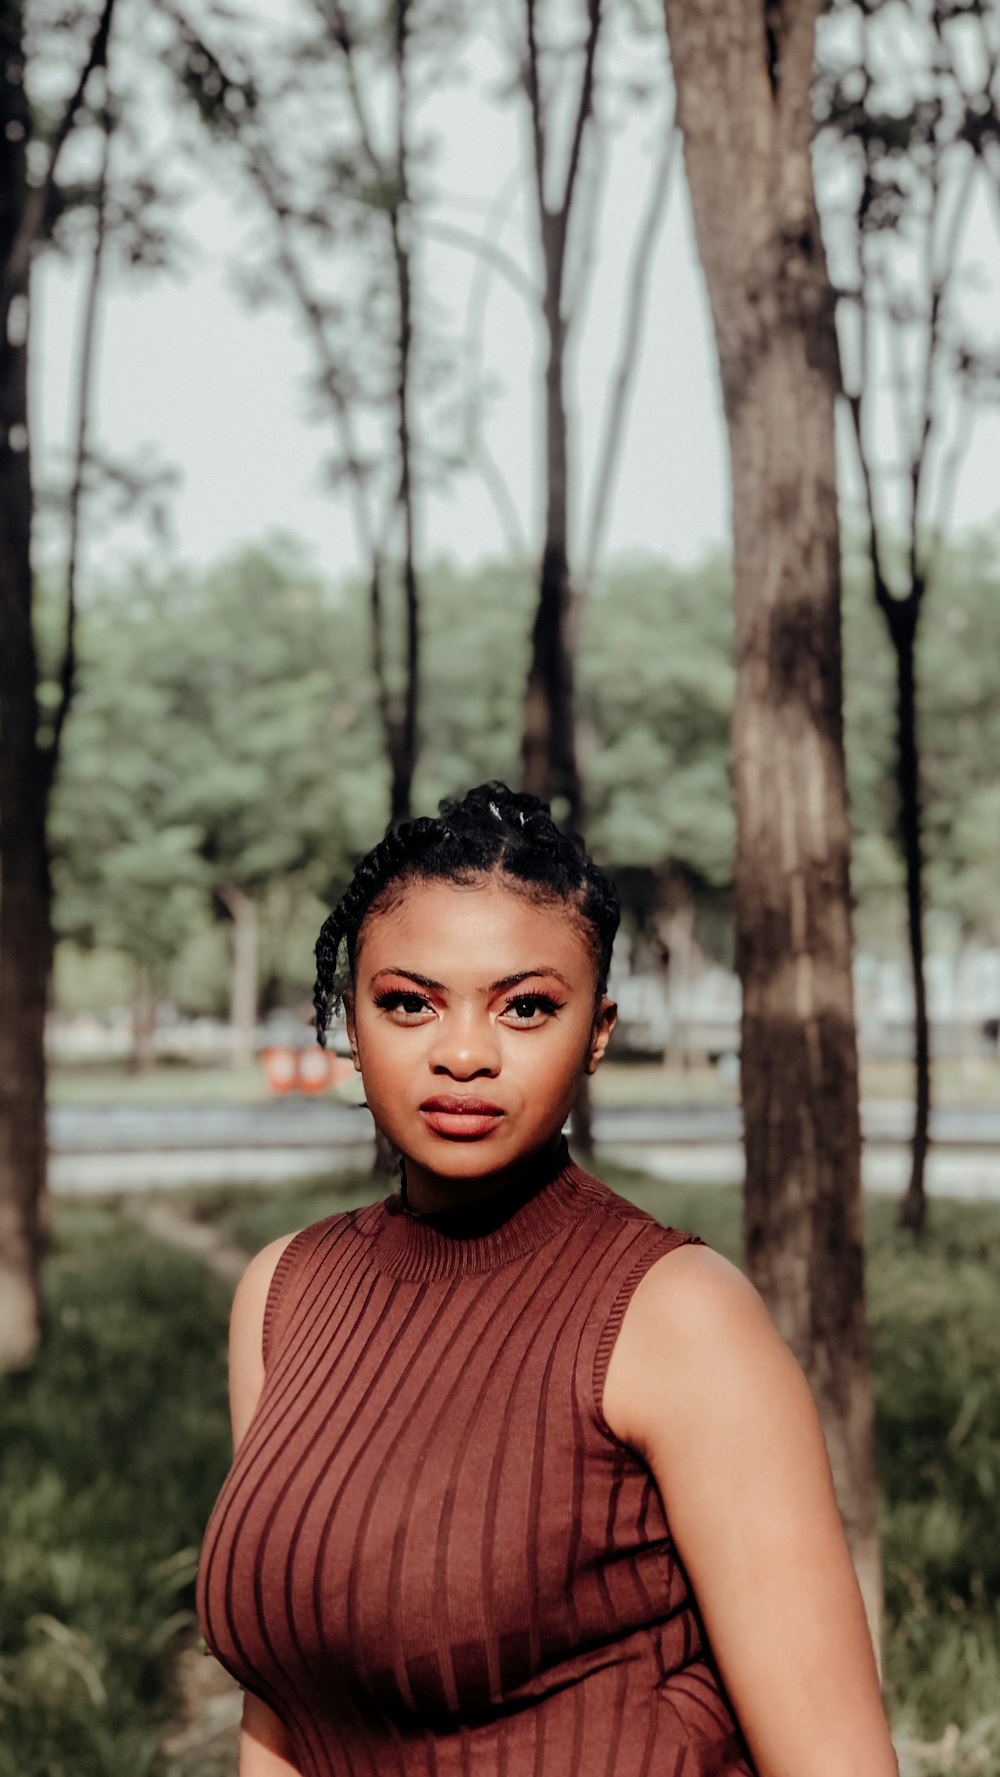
{"type": "Point", "coordinates": [166, 1223]}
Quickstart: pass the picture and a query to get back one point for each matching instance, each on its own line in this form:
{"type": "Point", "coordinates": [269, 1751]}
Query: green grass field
{"type": "Point", "coordinates": [114, 1448]}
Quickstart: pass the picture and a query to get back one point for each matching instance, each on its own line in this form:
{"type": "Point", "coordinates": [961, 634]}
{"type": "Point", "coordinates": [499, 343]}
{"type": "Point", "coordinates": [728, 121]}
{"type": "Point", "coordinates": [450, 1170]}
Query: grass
{"type": "Point", "coordinates": [114, 1448]}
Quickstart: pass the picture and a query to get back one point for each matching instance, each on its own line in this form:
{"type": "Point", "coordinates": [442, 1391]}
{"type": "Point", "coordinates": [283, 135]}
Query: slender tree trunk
{"type": "Point", "coordinates": [403, 755]}
{"type": "Point", "coordinates": [743, 73]}
{"type": "Point", "coordinates": [25, 891]}
{"type": "Point", "coordinates": [26, 767]}
{"type": "Point", "coordinates": [548, 746]}
{"type": "Point", "coordinates": [25, 918]}
{"type": "Point", "coordinates": [144, 999]}
{"type": "Point", "coordinates": [903, 622]}
{"type": "Point", "coordinates": [243, 979]}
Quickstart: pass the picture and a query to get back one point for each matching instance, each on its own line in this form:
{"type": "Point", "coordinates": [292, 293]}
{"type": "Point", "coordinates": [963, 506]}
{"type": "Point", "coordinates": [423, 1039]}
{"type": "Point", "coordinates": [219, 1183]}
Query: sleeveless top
{"type": "Point", "coordinates": [431, 1556]}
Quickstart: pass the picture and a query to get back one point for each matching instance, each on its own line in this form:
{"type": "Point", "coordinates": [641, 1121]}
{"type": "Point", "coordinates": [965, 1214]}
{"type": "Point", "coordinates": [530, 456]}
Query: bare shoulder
{"type": "Point", "coordinates": [246, 1328]}
{"type": "Point", "coordinates": [694, 1333]}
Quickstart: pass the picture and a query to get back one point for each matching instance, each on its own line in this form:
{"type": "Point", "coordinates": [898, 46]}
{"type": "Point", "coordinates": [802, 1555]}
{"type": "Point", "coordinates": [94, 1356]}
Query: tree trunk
{"type": "Point", "coordinates": [25, 896]}
{"type": "Point", "coordinates": [548, 749]}
{"type": "Point", "coordinates": [403, 758]}
{"type": "Point", "coordinates": [143, 1056]}
{"type": "Point", "coordinates": [243, 979]}
{"type": "Point", "coordinates": [743, 72]}
{"type": "Point", "coordinates": [903, 628]}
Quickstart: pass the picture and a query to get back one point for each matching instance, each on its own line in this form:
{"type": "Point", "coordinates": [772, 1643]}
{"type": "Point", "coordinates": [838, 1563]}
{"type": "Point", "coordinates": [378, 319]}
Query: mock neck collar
{"type": "Point", "coordinates": [477, 1237]}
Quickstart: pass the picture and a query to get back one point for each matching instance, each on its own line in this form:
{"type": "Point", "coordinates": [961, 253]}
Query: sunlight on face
{"type": "Point", "coordinates": [472, 1021]}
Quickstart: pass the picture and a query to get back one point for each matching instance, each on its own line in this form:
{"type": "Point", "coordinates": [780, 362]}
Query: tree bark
{"type": "Point", "coordinates": [143, 1056]}
{"type": "Point", "coordinates": [743, 70]}
{"type": "Point", "coordinates": [25, 896]}
{"type": "Point", "coordinates": [404, 756]}
{"type": "Point", "coordinates": [242, 909]}
{"type": "Point", "coordinates": [903, 622]}
{"type": "Point", "coordinates": [548, 744]}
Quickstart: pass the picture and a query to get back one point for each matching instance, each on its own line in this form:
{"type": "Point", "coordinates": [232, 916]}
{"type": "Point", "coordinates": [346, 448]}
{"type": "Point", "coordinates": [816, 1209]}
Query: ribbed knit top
{"type": "Point", "coordinates": [431, 1555]}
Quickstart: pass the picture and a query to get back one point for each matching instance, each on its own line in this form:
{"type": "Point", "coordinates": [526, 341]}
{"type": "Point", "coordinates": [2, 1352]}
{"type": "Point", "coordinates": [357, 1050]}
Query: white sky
{"type": "Point", "coordinates": [188, 375]}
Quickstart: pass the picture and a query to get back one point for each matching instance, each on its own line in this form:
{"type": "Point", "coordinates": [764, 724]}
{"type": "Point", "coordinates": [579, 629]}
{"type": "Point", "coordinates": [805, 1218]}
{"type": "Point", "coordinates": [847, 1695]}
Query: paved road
{"type": "Point", "coordinates": [135, 1147]}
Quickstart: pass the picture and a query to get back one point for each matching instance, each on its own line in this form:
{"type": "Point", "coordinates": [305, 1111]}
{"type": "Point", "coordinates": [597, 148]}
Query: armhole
{"type": "Point", "coordinates": [671, 1239]}
{"type": "Point", "coordinates": [279, 1278]}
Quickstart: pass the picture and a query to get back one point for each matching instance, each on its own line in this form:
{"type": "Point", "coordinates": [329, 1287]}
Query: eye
{"type": "Point", "coordinates": [531, 1010]}
{"type": "Point", "coordinates": [408, 1005]}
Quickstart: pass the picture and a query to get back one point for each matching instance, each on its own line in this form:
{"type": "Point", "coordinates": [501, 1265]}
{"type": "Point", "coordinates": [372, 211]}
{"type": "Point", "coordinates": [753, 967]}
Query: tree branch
{"type": "Point", "coordinates": [534, 90]}
{"type": "Point", "coordinates": [628, 358]}
{"type": "Point", "coordinates": [487, 249]}
{"type": "Point", "coordinates": [584, 107]}
{"type": "Point", "coordinates": [67, 675]}
{"type": "Point", "coordinates": [37, 200]}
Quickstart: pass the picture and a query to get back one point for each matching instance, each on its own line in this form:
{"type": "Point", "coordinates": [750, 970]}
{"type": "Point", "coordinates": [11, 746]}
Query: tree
{"type": "Point", "coordinates": [27, 763]}
{"type": "Point", "coordinates": [743, 73]}
{"type": "Point", "coordinates": [220, 729]}
{"type": "Point", "coordinates": [322, 127]}
{"type": "Point", "coordinates": [910, 115]}
{"type": "Point", "coordinates": [565, 203]}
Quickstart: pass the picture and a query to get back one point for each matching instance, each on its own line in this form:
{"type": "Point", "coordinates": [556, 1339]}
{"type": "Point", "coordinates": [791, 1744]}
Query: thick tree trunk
{"type": "Point", "coordinates": [903, 628]}
{"type": "Point", "coordinates": [243, 978]}
{"type": "Point", "coordinates": [743, 73]}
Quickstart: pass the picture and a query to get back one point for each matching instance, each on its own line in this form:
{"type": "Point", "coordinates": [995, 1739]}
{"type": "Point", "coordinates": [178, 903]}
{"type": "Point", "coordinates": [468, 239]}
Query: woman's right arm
{"type": "Point", "coordinates": [264, 1750]}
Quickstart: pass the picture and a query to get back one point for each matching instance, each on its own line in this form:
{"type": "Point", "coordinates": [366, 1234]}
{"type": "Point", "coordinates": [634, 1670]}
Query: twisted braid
{"type": "Point", "coordinates": [490, 830]}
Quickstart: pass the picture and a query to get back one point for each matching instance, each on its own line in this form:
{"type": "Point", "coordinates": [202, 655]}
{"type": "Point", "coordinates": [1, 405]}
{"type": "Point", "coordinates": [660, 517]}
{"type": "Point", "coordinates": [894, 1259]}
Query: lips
{"type": "Point", "coordinates": [462, 1105]}
{"type": "Point", "coordinates": [461, 1118]}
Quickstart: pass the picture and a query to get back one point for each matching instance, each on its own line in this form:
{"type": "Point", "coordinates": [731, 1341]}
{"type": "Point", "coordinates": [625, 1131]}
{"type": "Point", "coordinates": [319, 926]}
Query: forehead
{"type": "Point", "coordinates": [477, 931]}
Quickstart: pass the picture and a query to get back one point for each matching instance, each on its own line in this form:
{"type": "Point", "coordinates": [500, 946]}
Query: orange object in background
{"type": "Point", "coordinates": [305, 1070]}
{"type": "Point", "coordinates": [281, 1068]}
{"type": "Point", "coordinates": [315, 1070]}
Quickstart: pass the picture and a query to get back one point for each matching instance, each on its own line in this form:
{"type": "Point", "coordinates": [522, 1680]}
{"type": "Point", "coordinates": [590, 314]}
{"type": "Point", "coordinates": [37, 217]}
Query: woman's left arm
{"type": "Point", "coordinates": [701, 1385]}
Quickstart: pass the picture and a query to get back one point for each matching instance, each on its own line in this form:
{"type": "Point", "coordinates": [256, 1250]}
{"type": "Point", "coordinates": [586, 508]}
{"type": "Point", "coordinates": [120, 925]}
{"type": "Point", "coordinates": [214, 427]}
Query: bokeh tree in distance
{"type": "Point", "coordinates": [907, 110]}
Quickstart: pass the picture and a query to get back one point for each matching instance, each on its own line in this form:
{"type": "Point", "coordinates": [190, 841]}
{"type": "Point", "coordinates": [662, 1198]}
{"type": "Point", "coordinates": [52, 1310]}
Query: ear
{"type": "Point", "coordinates": [352, 1034]}
{"type": "Point", "coordinates": [604, 1024]}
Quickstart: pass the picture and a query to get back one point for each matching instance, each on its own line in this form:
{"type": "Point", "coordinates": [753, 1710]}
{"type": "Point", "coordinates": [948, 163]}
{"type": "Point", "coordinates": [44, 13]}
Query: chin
{"type": "Point", "coordinates": [473, 1159]}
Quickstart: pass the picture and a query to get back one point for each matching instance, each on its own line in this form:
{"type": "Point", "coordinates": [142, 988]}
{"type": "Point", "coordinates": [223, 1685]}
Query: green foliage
{"type": "Point", "coordinates": [214, 715]}
{"type": "Point", "coordinates": [225, 731]}
{"type": "Point", "coordinates": [113, 1450]}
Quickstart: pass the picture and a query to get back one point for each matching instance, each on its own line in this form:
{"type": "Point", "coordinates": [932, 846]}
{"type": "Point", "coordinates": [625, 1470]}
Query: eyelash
{"type": "Point", "coordinates": [395, 999]}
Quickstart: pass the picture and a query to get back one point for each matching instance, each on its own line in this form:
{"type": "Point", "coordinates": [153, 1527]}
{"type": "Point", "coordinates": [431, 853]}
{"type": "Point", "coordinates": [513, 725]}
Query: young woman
{"type": "Point", "coordinates": [525, 1483]}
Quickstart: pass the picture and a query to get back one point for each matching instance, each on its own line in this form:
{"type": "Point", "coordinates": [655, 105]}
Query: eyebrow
{"type": "Point", "coordinates": [495, 986]}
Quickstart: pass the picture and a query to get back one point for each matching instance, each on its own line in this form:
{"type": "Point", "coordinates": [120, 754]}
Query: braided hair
{"type": "Point", "coordinates": [491, 831]}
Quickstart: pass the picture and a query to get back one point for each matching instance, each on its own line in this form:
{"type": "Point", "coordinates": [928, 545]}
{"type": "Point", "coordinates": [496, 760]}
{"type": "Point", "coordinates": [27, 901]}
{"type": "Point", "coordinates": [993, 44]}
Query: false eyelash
{"type": "Point", "coordinates": [544, 1000]}
{"type": "Point", "coordinates": [394, 996]}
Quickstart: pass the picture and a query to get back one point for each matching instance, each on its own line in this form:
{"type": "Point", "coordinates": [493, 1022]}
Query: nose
{"type": "Point", "coordinates": [465, 1046]}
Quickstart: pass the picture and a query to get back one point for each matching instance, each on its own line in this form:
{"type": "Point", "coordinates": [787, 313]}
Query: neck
{"type": "Point", "coordinates": [427, 1193]}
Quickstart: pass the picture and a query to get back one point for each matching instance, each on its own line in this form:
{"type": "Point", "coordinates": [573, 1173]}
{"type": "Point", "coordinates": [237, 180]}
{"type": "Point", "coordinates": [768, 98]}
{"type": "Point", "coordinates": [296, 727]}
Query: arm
{"type": "Point", "coordinates": [703, 1387]}
{"type": "Point", "coordinates": [264, 1750]}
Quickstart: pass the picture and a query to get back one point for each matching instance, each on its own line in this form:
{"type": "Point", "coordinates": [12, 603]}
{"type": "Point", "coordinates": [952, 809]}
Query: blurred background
{"type": "Point", "coordinates": [396, 396]}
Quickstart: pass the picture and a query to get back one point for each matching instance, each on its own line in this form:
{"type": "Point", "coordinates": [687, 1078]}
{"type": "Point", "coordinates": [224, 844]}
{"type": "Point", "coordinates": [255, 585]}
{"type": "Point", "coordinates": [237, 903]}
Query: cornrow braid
{"type": "Point", "coordinates": [492, 830]}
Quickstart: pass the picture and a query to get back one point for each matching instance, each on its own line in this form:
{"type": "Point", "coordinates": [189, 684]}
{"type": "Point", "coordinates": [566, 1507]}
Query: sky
{"type": "Point", "coordinates": [190, 376]}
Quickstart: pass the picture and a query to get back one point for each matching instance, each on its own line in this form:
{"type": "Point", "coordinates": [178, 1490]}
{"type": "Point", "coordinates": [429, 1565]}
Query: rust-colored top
{"type": "Point", "coordinates": [431, 1556]}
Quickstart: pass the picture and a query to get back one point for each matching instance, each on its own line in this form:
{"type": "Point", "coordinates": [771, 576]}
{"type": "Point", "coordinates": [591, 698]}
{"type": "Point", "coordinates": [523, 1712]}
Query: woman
{"type": "Point", "coordinates": [524, 1482]}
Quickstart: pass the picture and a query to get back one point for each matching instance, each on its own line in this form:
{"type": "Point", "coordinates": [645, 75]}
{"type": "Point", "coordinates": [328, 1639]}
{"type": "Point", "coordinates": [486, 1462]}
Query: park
{"type": "Point", "coordinates": [597, 398]}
